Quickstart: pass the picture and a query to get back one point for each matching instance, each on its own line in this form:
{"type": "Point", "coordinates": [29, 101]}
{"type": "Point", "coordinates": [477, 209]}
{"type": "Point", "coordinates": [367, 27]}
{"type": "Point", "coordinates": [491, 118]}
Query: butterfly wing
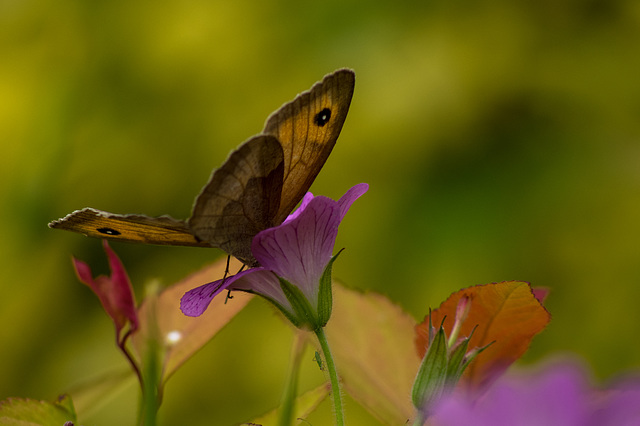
{"type": "Point", "coordinates": [256, 188]}
{"type": "Point", "coordinates": [162, 230]}
{"type": "Point", "coordinates": [307, 129]}
{"type": "Point", "coordinates": [241, 198]}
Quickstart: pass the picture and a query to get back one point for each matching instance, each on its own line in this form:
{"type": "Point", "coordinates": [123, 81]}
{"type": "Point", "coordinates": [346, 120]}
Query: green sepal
{"type": "Point", "coordinates": [302, 309]}
{"type": "Point", "coordinates": [431, 377]}
{"type": "Point", "coordinates": [472, 355]}
{"type": "Point", "coordinates": [432, 329]}
{"type": "Point", "coordinates": [288, 314]}
{"type": "Point", "coordinates": [325, 296]}
{"type": "Point", "coordinates": [457, 363]}
{"type": "Point", "coordinates": [459, 359]}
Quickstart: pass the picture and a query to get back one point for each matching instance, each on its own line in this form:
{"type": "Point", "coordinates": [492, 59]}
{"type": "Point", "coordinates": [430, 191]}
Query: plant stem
{"type": "Point", "coordinates": [150, 386]}
{"type": "Point", "coordinates": [122, 344]}
{"type": "Point", "coordinates": [419, 420]}
{"type": "Point", "coordinates": [333, 377]}
{"type": "Point", "coordinates": [287, 408]}
{"type": "Point", "coordinates": [151, 368]}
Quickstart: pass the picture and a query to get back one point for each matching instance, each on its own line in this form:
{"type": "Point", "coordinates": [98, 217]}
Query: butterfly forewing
{"type": "Point", "coordinates": [163, 230]}
{"type": "Point", "coordinates": [307, 129]}
{"type": "Point", "coordinates": [241, 199]}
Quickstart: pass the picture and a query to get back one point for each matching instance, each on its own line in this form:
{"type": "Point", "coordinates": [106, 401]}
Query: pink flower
{"type": "Point", "coordinates": [559, 394]}
{"type": "Point", "coordinates": [115, 292]}
{"type": "Point", "coordinates": [117, 299]}
{"type": "Point", "coordinates": [295, 263]}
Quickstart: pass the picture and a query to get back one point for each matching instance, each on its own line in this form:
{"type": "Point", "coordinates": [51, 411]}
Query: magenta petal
{"type": "Point", "coordinates": [194, 302]}
{"type": "Point", "coordinates": [83, 271]}
{"type": "Point", "coordinates": [350, 196]}
{"type": "Point", "coordinates": [619, 405]}
{"type": "Point", "coordinates": [556, 395]}
{"type": "Point", "coordinates": [264, 282]}
{"type": "Point", "coordinates": [303, 204]}
{"type": "Point", "coordinates": [300, 249]}
{"type": "Point", "coordinates": [115, 292]}
{"type": "Point", "coordinates": [124, 299]}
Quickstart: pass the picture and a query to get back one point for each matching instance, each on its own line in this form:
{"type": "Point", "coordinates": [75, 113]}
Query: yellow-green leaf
{"type": "Point", "coordinates": [31, 412]}
{"type": "Point", "coordinates": [372, 342]}
{"type": "Point", "coordinates": [305, 404]}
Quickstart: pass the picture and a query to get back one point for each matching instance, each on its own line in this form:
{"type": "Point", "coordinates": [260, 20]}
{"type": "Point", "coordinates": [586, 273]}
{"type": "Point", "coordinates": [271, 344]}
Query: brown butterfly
{"type": "Point", "coordinates": [257, 186]}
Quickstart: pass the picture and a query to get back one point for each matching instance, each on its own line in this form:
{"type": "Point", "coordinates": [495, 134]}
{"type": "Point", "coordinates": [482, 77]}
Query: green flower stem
{"type": "Point", "coordinates": [419, 420]}
{"type": "Point", "coordinates": [287, 408]}
{"type": "Point", "coordinates": [150, 385]}
{"type": "Point", "coordinates": [151, 365]}
{"type": "Point", "coordinates": [333, 377]}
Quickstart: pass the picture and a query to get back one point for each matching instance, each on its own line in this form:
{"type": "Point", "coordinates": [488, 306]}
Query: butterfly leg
{"type": "Point", "coordinates": [226, 273]}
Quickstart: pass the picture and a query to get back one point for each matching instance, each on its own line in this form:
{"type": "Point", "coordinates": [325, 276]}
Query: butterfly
{"type": "Point", "coordinates": [256, 188]}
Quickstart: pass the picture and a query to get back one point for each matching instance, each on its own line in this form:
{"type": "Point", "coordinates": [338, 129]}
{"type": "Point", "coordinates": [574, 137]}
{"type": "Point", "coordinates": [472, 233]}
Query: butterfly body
{"type": "Point", "coordinates": [255, 188]}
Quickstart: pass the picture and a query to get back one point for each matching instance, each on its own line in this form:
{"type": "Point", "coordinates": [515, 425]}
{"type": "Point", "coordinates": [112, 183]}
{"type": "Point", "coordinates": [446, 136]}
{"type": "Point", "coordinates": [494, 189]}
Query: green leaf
{"type": "Point", "coordinates": [31, 412]}
{"type": "Point", "coordinates": [93, 394]}
{"type": "Point", "coordinates": [305, 405]}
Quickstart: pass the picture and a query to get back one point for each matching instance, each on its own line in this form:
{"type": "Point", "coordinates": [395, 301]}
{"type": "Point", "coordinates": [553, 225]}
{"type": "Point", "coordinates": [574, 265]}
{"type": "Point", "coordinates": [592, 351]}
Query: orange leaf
{"type": "Point", "coordinates": [183, 336]}
{"type": "Point", "coordinates": [506, 313]}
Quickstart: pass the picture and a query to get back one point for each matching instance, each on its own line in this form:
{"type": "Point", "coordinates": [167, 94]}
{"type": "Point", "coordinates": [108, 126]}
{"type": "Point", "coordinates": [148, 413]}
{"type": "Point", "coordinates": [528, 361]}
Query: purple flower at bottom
{"type": "Point", "coordinates": [295, 262]}
{"type": "Point", "coordinates": [560, 394]}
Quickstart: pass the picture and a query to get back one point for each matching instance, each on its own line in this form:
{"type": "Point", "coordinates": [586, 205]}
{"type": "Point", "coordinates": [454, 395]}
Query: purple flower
{"type": "Point", "coordinates": [559, 394]}
{"type": "Point", "coordinates": [295, 263]}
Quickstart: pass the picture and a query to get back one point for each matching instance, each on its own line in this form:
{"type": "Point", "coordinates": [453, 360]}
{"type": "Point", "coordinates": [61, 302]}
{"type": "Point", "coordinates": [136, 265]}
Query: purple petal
{"type": "Point", "coordinates": [621, 405]}
{"type": "Point", "coordinates": [263, 282]}
{"type": "Point", "coordinates": [557, 395]}
{"type": "Point", "coordinates": [303, 204]}
{"type": "Point", "coordinates": [194, 302]}
{"type": "Point", "coordinates": [300, 249]}
{"type": "Point", "coordinates": [350, 196]}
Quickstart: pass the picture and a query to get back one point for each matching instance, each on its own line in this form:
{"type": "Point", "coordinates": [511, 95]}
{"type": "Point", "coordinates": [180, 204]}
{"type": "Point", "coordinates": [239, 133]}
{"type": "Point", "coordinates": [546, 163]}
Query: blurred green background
{"type": "Point", "coordinates": [500, 140]}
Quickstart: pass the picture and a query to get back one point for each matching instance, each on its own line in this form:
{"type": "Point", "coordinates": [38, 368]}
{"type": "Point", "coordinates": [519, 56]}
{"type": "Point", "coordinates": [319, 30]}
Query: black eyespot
{"type": "Point", "coordinates": [322, 117]}
{"type": "Point", "coordinates": [108, 231]}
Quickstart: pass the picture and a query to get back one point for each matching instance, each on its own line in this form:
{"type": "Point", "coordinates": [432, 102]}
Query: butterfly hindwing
{"type": "Point", "coordinates": [241, 198]}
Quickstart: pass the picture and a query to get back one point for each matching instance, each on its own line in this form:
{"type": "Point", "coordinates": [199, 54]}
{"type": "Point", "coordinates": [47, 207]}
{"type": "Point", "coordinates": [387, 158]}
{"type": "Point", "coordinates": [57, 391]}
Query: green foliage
{"type": "Point", "coordinates": [29, 412]}
{"type": "Point", "coordinates": [499, 139]}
